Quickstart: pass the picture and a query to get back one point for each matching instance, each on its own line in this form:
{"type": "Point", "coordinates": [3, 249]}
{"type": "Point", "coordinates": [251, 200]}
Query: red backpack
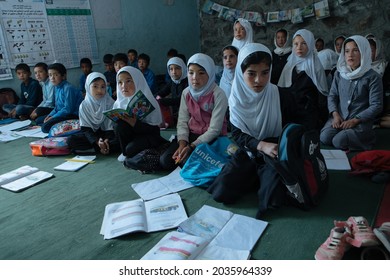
{"type": "Point", "coordinates": [370, 162]}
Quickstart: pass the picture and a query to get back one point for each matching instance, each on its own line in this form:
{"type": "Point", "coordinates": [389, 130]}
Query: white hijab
{"type": "Point", "coordinates": [227, 78]}
{"type": "Point", "coordinates": [154, 118]}
{"type": "Point", "coordinates": [328, 58]}
{"type": "Point", "coordinates": [179, 62]}
{"type": "Point", "coordinates": [285, 48]}
{"type": "Point", "coordinates": [310, 64]}
{"type": "Point", "coordinates": [91, 109]}
{"type": "Point", "coordinates": [256, 114]}
{"type": "Point", "coordinates": [249, 33]}
{"type": "Point", "coordinates": [379, 64]}
{"type": "Point", "coordinates": [208, 64]}
{"type": "Point", "coordinates": [365, 59]}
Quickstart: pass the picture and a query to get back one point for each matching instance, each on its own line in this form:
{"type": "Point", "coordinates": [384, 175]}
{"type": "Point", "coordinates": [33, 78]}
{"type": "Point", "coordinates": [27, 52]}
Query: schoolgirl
{"type": "Point", "coordinates": [280, 54]}
{"type": "Point", "coordinates": [229, 57]}
{"type": "Point", "coordinates": [304, 77]}
{"type": "Point", "coordinates": [97, 130]}
{"type": "Point", "coordinates": [178, 82]}
{"type": "Point", "coordinates": [256, 117]}
{"type": "Point", "coordinates": [201, 114]}
{"type": "Point", "coordinates": [355, 99]}
{"type": "Point", "coordinates": [135, 135]}
{"type": "Point", "coordinates": [243, 33]}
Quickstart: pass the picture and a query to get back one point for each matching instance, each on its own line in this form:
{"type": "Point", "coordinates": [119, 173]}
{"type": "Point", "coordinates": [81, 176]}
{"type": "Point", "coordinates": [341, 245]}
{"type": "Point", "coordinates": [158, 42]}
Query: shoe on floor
{"type": "Point", "coordinates": [362, 234]}
{"type": "Point", "coordinates": [383, 234]}
{"type": "Point", "coordinates": [121, 158]}
{"type": "Point", "coordinates": [334, 246]}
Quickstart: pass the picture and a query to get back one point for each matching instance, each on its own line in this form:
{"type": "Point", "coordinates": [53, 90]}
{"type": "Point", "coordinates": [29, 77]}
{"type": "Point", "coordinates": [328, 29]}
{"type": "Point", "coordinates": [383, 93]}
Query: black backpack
{"type": "Point", "coordinates": [301, 165]}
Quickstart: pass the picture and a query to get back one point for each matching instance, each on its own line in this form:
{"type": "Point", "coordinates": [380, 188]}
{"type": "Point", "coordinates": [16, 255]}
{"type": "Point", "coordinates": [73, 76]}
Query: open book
{"type": "Point", "coordinates": [170, 183]}
{"type": "Point", "coordinates": [139, 107]}
{"type": "Point", "coordinates": [22, 178]}
{"type": "Point", "coordinates": [211, 233]}
{"type": "Point", "coordinates": [75, 163]}
{"type": "Point", "coordinates": [163, 213]}
{"type": "Point", "coordinates": [336, 159]}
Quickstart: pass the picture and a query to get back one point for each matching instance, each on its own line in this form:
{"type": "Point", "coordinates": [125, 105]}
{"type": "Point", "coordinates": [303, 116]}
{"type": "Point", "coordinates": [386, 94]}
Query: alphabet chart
{"type": "Point", "coordinates": [26, 32]}
{"type": "Point", "coordinates": [73, 31]}
{"type": "Point", "coordinates": [5, 68]}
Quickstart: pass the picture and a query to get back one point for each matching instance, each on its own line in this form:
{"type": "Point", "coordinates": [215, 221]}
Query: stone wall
{"type": "Point", "coordinates": [355, 17]}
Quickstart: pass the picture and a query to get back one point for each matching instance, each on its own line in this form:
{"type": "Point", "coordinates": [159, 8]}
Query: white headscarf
{"type": "Point", "coordinates": [249, 33]}
{"type": "Point", "coordinates": [328, 58]}
{"type": "Point", "coordinates": [365, 59]}
{"type": "Point", "coordinates": [310, 64]}
{"type": "Point", "coordinates": [286, 48]}
{"type": "Point", "coordinates": [257, 114]}
{"type": "Point", "coordinates": [179, 62]}
{"type": "Point", "coordinates": [208, 64]}
{"type": "Point", "coordinates": [379, 64]}
{"type": "Point", "coordinates": [334, 43]}
{"type": "Point", "coordinates": [227, 78]}
{"type": "Point", "coordinates": [154, 118]}
{"type": "Point", "coordinates": [91, 109]}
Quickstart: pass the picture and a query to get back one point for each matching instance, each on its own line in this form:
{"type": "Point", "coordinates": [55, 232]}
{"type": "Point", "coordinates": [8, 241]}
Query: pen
{"type": "Point", "coordinates": [80, 160]}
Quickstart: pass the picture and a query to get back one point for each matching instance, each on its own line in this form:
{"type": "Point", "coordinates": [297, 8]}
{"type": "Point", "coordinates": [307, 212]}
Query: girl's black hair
{"type": "Point", "coordinates": [200, 66]}
{"type": "Point", "coordinates": [256, 58]}
{"type": "Point", "coordinates": [282, 30]}
{"type": "Point", "coordinates": [232, 48]}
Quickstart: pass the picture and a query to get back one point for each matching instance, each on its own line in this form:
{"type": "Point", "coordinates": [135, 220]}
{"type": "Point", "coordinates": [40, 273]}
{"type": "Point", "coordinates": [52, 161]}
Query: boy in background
{"type": "Point", "coordinates": [30, 97]}
{"type": "Point", "coordinates": [132, 54]}
{"type": "Point", "coordinates": [67, 98]}
{"type": "Point", "coordinates": [110, 74]}
{"type": "Point", "coordinates": [86, 67]}
{"type": "Point", "coordinates": [143, 65]}
{"type": "Point", "coordinates": [42, 75]}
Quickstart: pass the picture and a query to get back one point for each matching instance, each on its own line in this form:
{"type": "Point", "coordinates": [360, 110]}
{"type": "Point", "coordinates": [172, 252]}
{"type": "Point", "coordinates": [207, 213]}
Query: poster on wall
{"type": "Point", "coordinates": [26, 32]}
{"type": "Point", "coordinates": [73, 31]}
{"type": "Point", "coordinates": [5, 69]}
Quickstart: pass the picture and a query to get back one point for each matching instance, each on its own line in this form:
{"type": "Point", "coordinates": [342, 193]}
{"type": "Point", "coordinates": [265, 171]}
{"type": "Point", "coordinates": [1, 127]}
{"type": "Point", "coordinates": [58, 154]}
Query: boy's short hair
{"type": "Point", "coordinates": [86, 60]}
{"type": "Point", "coordinates": [107, 58]}
{"type": "Point", "coordinates": [144, 56]}
{"type": "Point", "coordinates": [133, 51]}
{"type": "Point", "coordinates": [120, 57]}
{"type": "Point", "coordinates": [172, 52]}
{"type": "Point", "coordinates": [58, 67]}
{"type": "Point", "coordinates": [41, 65]}
{"type": "Point", "coordinates": [24, 67]}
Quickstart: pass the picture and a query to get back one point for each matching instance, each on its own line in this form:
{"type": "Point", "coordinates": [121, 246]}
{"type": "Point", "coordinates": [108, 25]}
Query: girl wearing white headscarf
{"type": "Point", "coordinates": [256, 116]}
{"type": "Point", "coordinates": [355, 99]}
{"type": "Point", "coordinates": [304, 77]}
{"type": "Point", "coordinates": [243, 33]}
{"type": "Point", "coordinates": [230, 54]}
{"type": "Point", "coordinates": [177, 70]}
{"type": "Point", "coordinates": [280, 54]}
{"type": "Point", "coordinates": [201, 114]}
{"type": "Point", "coordinates": [379, 62]}
{"type": "Point", "coordinates": [98, 133]}
{"type": "Point", "coordinates": [136, 135]}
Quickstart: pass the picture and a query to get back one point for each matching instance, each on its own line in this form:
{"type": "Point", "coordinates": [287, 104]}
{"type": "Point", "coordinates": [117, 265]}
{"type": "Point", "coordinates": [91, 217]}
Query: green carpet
{"type": "Point", "coordinates": [61, 218]}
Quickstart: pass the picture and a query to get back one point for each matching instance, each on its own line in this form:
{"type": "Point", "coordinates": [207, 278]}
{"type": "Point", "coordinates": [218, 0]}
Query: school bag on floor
{"type": "Point", "coordinates": [54, 146]}
{"type": "Point", "coordinates": [301, 165]}
{"type": "Point", "coordinates": [207, 160]}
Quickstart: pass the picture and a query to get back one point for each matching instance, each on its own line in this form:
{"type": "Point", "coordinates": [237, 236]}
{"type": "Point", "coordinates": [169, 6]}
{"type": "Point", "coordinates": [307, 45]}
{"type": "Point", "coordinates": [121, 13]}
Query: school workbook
{"type": "Point", "coordinates": [22, 178]}
{"type": "Point", "coordinates": [138, 107]}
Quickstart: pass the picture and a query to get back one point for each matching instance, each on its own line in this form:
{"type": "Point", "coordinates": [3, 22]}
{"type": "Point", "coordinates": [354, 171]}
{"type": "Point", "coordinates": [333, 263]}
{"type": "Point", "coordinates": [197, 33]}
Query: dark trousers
{"type": "Point", "coordinates": [242, 175]}
{"type": "Point", "coordinates": [132, 142]}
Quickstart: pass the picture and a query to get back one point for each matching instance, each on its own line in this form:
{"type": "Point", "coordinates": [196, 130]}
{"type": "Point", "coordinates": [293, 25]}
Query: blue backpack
{"type": "Point", "coordinates": [301, 165]}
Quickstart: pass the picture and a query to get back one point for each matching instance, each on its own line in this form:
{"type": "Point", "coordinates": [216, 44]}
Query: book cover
{"type": "Point", "coordinates": [139, 107]}
{"type": "Point", "coordinates": [76, 163]}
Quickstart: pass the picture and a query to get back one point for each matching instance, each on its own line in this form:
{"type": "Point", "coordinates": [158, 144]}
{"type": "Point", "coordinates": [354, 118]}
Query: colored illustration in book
{"type": "Point", "coordinates": [165, 208]}
{"type": "Point", "coordinates": [141, 109]}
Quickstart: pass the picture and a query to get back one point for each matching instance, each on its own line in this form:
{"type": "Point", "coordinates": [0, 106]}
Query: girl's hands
{"type": "Point", "coordinates": [104, 146]}
{"type": "Point", "coordinates": [270, 149]}
{"type": "Point", "coordinates": [182, 153]}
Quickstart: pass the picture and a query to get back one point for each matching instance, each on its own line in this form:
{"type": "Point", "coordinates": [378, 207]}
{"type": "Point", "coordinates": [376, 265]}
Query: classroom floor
{"type": "Point", "coordinates": [61, 218]}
